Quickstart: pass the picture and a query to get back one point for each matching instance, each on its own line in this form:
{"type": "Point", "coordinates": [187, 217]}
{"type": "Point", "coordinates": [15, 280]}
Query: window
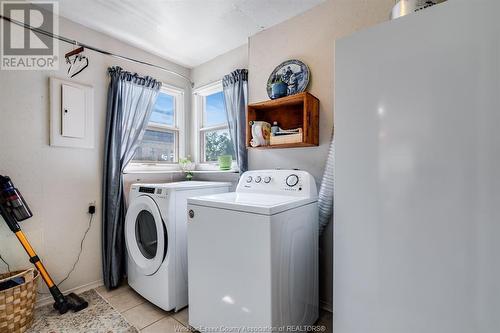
{"type": "Point", "coordinates": [163, 140]}
{"type": "Point", "coordinates": [213, 130]}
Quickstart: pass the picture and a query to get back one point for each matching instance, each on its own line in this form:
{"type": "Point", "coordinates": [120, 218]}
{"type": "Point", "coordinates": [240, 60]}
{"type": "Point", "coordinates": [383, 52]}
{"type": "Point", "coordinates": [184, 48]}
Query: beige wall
{"type": "Point", "coordinates": [309, 37]}
{"type": "Point", "coordinates": [59, 183]}
{"type": "Point", "coordinates": [216, 68]}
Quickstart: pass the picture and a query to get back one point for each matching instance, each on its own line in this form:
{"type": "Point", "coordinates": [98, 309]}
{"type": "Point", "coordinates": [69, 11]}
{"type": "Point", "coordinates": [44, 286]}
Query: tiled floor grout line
{"type": "Point", "coordinates": [125, 310]}
{"type": "Point", "coordinates": [154, 322]}
{"type": "Point", "coordinates": [168, 315]}
{"type": "Point", "coordinates": [133, 307]}
{"type": "Point", "coordinates": [182, 324]}
{"type": "Point", "coordinates": [122, 312]}
{"type": "Point", "coordinates": [111, 296]}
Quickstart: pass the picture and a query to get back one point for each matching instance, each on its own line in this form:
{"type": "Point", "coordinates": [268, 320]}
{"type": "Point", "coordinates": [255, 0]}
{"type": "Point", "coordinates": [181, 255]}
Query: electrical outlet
{"type": "Point", "coordinates": [91, 208]}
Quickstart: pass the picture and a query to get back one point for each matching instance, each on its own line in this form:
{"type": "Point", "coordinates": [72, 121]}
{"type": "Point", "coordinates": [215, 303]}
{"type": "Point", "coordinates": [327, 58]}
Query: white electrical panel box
{"type": "Point", "coordinates": [73, 111]}
{"type": "Point", "coordinates": [71, 114]}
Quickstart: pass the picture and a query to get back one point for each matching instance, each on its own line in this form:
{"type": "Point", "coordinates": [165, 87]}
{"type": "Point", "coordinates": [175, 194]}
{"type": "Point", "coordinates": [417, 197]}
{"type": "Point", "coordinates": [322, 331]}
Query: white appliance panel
{"type": "Point", "coordinates": [167, 286]}
{"type": "Point", "coordinates": [252, 270]}
{"type": "Point", "coordinates": [294, 247]}
{"type": "Point", "coordinates": [181, 260]}
{"type": "Point", "coordinates": [417, 173]}
{"type": "Point", "coordinates": [253, 254]}
{"type": "Point", "coordinates": [229, 268]}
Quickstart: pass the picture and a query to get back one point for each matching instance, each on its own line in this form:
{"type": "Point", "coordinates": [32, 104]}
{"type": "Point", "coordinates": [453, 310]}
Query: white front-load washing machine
{"type": "Point", "coordinates": [253, 255]}
{"type": "Point", "coordinates": [155, 235]}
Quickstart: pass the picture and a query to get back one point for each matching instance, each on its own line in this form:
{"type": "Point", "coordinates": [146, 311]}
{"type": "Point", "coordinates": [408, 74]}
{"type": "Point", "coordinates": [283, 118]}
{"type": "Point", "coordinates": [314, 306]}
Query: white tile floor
{"type": "Point", "coordinates": [143, 315]}
{"type": "Point", "coordinates": [148, 318]}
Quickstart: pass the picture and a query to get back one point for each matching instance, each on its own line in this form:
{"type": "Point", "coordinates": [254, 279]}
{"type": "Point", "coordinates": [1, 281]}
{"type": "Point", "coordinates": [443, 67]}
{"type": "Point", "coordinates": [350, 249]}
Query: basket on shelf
{"type": "Point", "coordinates": [17, 304]}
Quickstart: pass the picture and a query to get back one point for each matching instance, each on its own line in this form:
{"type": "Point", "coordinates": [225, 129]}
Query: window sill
{"type": "Point", "coordinates": [215, 171]}
{"type": "Point", "coordinates": [152, 168]}
{"type": "Point", "coordinates": [139, 171]}
{"type": "Point", "coordinates": [214, 167]}
{"type": "Point", "coordinates": [174, 168]}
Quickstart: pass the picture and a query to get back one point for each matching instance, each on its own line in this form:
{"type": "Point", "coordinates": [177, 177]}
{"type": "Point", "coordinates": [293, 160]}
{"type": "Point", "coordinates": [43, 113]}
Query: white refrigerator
{"type": "Point", "coordinates": [417, 173]}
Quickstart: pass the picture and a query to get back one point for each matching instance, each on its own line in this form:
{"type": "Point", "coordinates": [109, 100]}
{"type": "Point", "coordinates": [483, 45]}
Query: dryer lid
{"type": "Point", "coordinates": [145, 235]}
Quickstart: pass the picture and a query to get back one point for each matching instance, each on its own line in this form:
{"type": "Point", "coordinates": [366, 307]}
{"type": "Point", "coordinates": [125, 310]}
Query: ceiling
{"type": "Point", "coordinates": [188, 32]}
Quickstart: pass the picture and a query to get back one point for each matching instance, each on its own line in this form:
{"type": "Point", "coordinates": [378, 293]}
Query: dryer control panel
{"type": "Point", "coordinates": [286, 182]}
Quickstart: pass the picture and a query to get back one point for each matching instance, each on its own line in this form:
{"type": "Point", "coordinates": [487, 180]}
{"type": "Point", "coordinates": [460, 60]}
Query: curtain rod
{"type": "Point", "coordinates": [95, 49]}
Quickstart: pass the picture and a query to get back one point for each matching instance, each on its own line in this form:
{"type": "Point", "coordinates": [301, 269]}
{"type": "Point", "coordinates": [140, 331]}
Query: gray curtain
{"type": "Point", "coordinates": [130, 102]}
{"type": "Point", "coordinates": [235, 87]}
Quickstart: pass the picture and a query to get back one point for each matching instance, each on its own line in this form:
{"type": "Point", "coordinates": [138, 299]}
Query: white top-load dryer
{"type": "Point", "coordinates": [253, 254]}
{"type": "Point", "coordinates": [155, 235]}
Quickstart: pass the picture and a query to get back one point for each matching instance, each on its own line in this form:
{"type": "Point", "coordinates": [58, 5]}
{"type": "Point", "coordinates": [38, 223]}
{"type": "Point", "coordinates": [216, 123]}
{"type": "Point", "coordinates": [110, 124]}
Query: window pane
{"type": "Point", "coordinates": [215, 114]}
{"type": "Point", "coordinates": [217, 143]}
{"type": "Point", "coordinates": [163, 111]}
{"type": "Point", "coordinates": [157, 146]}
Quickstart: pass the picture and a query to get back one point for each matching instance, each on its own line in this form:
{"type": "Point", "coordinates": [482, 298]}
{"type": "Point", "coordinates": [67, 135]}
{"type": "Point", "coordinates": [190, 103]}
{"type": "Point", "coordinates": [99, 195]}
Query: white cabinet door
{"type": "Point", "coordinates": [73, 111]}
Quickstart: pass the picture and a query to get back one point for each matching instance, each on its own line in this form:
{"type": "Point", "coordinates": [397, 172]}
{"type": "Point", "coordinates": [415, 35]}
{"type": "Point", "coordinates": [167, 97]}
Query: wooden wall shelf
{"type": "Point", "coordinates": [299, 110]}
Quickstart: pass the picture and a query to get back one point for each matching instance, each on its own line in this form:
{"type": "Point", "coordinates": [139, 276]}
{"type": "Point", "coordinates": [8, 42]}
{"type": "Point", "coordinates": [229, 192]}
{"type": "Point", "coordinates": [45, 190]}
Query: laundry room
{"type": "Point", "coordinates": [171, 166]}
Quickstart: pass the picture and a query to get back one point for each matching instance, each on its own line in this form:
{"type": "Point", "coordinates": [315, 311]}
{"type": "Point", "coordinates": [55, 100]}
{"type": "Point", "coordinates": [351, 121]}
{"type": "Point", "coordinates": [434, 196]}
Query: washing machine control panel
{"type": "Point", "coordinates": [295, 182]}
{"type": "Point", "coordinates": [144, 189]}
{"type": "Point", "coordinates": [150, 190]}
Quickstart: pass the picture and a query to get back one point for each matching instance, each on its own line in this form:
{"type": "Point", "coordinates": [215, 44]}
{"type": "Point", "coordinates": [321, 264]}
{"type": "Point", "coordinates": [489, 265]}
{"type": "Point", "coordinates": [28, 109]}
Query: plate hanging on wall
{"type": "Point", "coordinates": [294, 73]}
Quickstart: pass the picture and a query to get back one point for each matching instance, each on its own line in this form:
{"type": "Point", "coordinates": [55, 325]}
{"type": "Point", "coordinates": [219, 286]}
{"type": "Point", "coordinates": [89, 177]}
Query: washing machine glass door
{"type": "Point", "coordinates": [145, 235]}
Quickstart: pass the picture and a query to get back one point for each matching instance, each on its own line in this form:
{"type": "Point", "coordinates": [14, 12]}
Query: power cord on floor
{"type": "Point", "coordinates": [5, 263]}
{"type": "Point", "coordinates": [91, 212]}
{"type": "Point", "coordinates": [81, 248]}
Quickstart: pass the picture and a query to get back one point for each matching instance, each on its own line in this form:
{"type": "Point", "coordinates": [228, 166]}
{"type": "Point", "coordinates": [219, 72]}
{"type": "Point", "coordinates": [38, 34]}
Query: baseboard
{"type": "Point", "coordinates": [47, 299]}
{"type": "Point", "coordinates": [326, 306]}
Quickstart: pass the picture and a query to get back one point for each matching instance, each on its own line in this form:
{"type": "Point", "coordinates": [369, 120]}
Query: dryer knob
{"type": "Point", "coordinates": [249, 179]}
{"type": "Point", "coordinates": [191, 213]}
{"type": "Point", "coordinates": [258, 179]}
{"type": "Point", "coordinates": [267, 180]}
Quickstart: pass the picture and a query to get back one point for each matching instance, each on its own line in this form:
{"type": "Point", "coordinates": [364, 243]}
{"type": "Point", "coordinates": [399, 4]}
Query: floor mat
{"type": "Point", "coordinates": [99, 317]}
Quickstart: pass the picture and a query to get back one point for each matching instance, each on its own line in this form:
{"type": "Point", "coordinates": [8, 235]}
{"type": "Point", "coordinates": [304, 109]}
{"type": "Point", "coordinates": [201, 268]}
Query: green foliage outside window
{"type": "Point", "coordinates": [218, 143]}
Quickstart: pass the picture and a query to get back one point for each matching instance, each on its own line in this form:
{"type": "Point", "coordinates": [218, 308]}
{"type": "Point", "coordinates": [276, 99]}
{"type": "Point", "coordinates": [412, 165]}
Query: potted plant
{"type": "Point", "coordinates": [187, 166]}
{"type": "Point", "coordinates": [279, 87]}
{"type": "Point", "coordinates": [225, 162]}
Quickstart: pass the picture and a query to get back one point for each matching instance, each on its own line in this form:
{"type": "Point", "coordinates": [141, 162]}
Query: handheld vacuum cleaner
{"type": "Point", "coordinates": [14, 209]}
